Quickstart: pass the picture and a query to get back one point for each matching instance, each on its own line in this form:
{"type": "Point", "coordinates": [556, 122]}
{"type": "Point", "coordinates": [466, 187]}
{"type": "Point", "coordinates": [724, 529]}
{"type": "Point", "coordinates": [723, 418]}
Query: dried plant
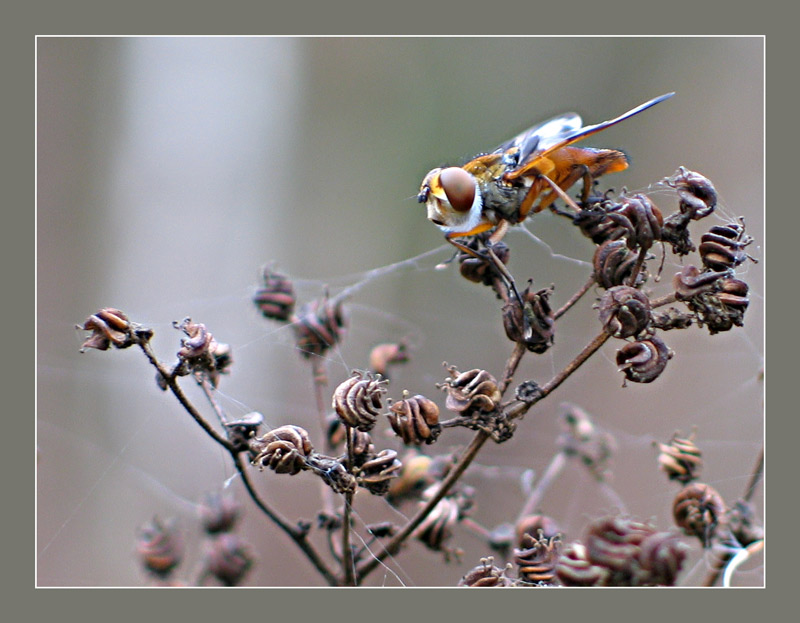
{"type": "Point", "coordinates": [617, 550]}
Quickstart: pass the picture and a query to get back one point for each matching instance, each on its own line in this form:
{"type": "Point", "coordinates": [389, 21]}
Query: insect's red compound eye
{"type": "Point", "coordinates": [459, 186]}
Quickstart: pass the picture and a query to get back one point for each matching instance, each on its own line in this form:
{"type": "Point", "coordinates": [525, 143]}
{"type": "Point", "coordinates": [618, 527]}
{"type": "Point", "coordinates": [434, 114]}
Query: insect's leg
{"type": "Point", "coordinates": [588, 185]}
{"type": "Point", "coordinates": [497, 235]}
{"type": "Point", "coordinates": [557, 190]}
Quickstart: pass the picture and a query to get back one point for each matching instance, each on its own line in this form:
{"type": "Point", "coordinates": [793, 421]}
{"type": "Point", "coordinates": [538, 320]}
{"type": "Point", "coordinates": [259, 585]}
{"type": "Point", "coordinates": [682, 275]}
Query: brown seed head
{"type": "Point", "coordinates": [624, 311]}
{"type": "Point", "coordinates": [358, 400]}
{"type": "Point", "coordinates": [680, 459]}
{"type": "Point", "coordinates": [283, 449]}
{"type": "Point", "coordinates": [643, 361]}
{"type": "Point", "coordinates": [109, 326]}
{"type": "Point", "coordinates": [415, 420]}
{"type": "Point", "coordinates": [699, 511]}
{"type": "Point", "coordinates": [470, 392]}
{"type": "Point", "coordinates": [276, 298]}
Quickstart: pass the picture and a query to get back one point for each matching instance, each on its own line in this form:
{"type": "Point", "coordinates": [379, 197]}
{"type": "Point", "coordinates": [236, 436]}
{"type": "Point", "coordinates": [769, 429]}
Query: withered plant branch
{"type": "Point", "coordinates": [519, 408]}
{"type": "Point", "coordinates": [172, 383]}
{"type": "Point", "coordinates": [755, 477]}
{"type": "Point", "coordinates": [297, 535]}
{"type": "Point", "coordinates": [320, 381]}
{"type": "Point", "coordinates": [472, 451]}
{"type": "Point", "coordinates": [452, 477]}
{"type": "Point", "coordinates": [575, 297]}
{"type": "Point", "coordinates": [511, 366]}
{"type": "Point", "coordinates": [348, 566]}
{"type": "Point", "coordinates": [663, 300]}
{"type": "Point", "coordinates": [637, 267]}
{"type": "Point", "coordinates": [551, 473]}
{"type": "Point", "coordinates": [722, 562]}
{"type": "Point", "coordinates": [208, 390]}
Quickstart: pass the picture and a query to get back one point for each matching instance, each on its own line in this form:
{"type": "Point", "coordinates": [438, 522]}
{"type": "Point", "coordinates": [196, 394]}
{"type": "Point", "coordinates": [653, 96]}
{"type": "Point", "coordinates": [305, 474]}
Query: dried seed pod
{"type": "Point", "coordinates": [276, 298]}
{"type": "Point", "coordinates": [624, 311]}
{"type": "Point", "coordinates": [218, 512]}
{"type": "Point", "coordinates": [376, 473]}
{"type": "Point", "coordinates": [537, 559]}
{"type": "Point", "coordinates": [241, 431]}
{"type": "Point", "coordinates": [108, 326]}
{"type": "Point", "coordinates": [741, 521]}
{"type": "Point", "coordinates": [358, 400]}
{"type": "Point", "coordinates": [723, 246]}
{"type": "Point", "coordinates": [575, 569]}
{"type": "Point", "coordinates": [319, 326]}
{"type": "Point", "coordinates": [640, 219]}
{"type": "Point", "coordinates": [415, 420]}
{"type": "Point", "coordinates": [198, 345]}
{"type": "Point", "coordinates": [283, 449]}
{"type": "Point", "coordinates": [437, 528]}
{"type": "Point", "coordinates": [363, 448]}
{"type": "Point", "coordinates": [384, 355]}
{"type": "Point", "coordinates": [583, 439]}
{"type": "Point", "coordinates": [228, 559]}
{"type": "Point", "coordinates": [680, 458]}
{"type": "Point", "coordinates": [335, 432]}
{"type": "Point", "coordinates": [615, 543]}
{"type": "Point", "coordinates": [659, 560]}
{"type": "Point", "coordinates": [723, 309]}
{"type": "Point", "coordinates": [536, 526]}
{"type": "Point", "coordinates": [222, 355]}
{"type": "Point", "coordinates": [471, 392]}
{"type": "Point", "coordinates": [595, 223]}
{"type": "Point", "coordinates": [486, 575]}
{"type": "Point", "coordinates": [690, 282]}
{"type": "Point", "coordinates": [531, 323]}
{"type": "Point", "coordinates": [479, 269]}
{"type": "Point", "coordinates": [643, 361]}
{"type": "Point", "coordinates": [697, 194]}
{"type": "Point", "coordinates": [613, 264]}
{"type": "Point", "coordinates": [699, 510]}
{"type": "Point", "coordinates": [159, 547]}
{"type": "Point", "coordinates": [418, 472]}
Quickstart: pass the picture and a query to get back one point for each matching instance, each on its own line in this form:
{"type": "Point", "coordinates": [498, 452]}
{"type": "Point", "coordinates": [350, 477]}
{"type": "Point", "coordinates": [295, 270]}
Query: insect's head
{"type": "Point", "coordinates": [452, 197]}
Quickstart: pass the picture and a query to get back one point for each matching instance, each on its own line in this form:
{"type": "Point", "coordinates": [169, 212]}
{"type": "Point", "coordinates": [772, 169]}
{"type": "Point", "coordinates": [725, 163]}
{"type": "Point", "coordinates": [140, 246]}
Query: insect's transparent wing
{"type": "Point", "coordinates": [540, 137]}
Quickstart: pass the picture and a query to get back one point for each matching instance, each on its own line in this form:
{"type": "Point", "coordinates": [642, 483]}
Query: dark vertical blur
{"type": "Point", "coordinates": [171, 169]}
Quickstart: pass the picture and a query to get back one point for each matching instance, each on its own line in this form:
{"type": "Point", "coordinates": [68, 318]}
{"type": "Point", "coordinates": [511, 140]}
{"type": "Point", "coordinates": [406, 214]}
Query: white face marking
{"type": "Point", "coordinates": [441, 210]}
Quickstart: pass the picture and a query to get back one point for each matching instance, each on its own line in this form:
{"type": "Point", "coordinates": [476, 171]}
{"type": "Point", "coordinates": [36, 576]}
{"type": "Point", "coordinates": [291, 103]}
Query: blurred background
{"type": "Point", "coordinates": [170, 170]}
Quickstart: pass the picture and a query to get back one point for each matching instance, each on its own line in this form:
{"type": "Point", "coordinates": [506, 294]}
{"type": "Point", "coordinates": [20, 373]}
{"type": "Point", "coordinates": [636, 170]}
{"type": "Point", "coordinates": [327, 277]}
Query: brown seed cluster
{"type": "Point", "coordinates": [620, 551]}
{"type": "Point", "coordinates": [109, 327]}
{"type": "Point", "coordinates": [284, 450]}
{"type": "Point", "coordinates": [680, 459]}
{"type": "Point", "coordinates": [415, 420]}
{"type": "Point", "coordinates": [699, 511]}
{"type": "Point", "coordinates": [358, 400]}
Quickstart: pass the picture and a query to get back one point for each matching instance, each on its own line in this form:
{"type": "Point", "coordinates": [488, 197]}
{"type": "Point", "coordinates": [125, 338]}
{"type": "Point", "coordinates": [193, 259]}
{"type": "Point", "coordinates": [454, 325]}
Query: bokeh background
{"type": "Point", "coordinates": [171, 169]}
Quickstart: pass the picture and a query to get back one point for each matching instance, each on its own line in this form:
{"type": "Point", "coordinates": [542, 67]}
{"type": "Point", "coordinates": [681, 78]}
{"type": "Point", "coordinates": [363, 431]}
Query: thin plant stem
{"type": "Point", "coordinates": [172, 383]}
{"type": "Point", "coordinates": [511, 366]}
{"type": "Point", "coordinates": [549, 476]}
{"type": "Point", "coordinates": [298, 536]}
{"type": "Point", "coordinates": [347, 553]}
{"type": "Point", "coordinates": [320, 381]}
{"type": "Point", "coordinates": [755, 478]}
{"type": "Point", "coordinates": [452, 477]}
{"type": "Point", "coordinates": [575, 297]}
